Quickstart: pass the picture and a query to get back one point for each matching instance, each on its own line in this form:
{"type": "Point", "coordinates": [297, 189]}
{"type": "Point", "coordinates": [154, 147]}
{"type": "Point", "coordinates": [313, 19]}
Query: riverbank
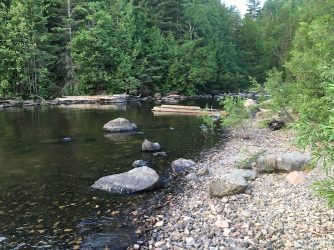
{"type": "Point", "coordinates": [273, 214]}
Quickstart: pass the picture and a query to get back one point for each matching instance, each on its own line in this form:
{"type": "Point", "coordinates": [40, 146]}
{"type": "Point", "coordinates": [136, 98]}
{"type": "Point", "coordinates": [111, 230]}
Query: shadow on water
{"type": "Point", "coordinates": [45, 199]}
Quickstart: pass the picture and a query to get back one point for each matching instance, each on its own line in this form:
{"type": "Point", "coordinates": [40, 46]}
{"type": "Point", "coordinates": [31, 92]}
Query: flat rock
{"type": "Point", "coordinates": [296, 177]}
{"type": "Point", "coordinates": [2, 239]}
{"type": "Point", "coordinates": [249, 103]}
{"type": "Point", "coordinates": [135, 180]}
{"type": "Point", "coordinates": [182, 165]}
{"type": "Point", "coordinates": [228, 184]}
{"type": "Point", "coordinates": [119, 125]}
{"type": "Point", "coordinates": [150, 146]}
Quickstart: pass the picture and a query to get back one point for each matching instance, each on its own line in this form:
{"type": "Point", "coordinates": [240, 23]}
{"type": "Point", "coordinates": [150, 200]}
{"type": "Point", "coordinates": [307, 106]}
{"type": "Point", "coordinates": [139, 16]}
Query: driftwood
{"type": "Point", "coordinates": [186, 110]}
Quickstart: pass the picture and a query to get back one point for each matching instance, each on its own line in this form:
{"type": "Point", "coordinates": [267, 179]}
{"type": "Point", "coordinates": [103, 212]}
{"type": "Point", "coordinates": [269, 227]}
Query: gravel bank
{"type": "Point", "coordinates": [274, 214]}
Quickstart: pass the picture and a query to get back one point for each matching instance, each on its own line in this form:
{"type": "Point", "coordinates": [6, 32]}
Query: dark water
{"type": "Point", "coordinates": [45, 200]}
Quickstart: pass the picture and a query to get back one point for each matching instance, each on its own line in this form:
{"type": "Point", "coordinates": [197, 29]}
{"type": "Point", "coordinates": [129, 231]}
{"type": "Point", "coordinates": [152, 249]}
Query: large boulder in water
{"type": "Point", "coordinates": [150, 146]}
{"type": "Point", "coordinates": [119, 125]}
{"type": "Point", "coordinates": [135, 180]}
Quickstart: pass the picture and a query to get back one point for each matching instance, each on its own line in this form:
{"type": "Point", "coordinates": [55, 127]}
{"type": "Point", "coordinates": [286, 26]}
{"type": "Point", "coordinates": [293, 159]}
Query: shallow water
{"type": "Point", "coordinates": [45, 199]}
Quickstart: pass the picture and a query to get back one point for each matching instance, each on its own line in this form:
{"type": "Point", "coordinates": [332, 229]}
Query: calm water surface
{"type": "Point", "coordinates": [45, 199]}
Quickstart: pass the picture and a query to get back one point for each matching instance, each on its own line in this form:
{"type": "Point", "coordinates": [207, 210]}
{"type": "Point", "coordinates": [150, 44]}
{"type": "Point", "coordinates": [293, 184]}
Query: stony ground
{"type": "Point", "coordinates": [273, 215]}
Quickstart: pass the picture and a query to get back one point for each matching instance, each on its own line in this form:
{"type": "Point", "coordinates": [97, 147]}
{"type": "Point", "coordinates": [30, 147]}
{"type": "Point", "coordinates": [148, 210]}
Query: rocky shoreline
{"type": "Point", "coordinates": [271, 214]}
{"type": "Point", "coordinates": [114, 99]}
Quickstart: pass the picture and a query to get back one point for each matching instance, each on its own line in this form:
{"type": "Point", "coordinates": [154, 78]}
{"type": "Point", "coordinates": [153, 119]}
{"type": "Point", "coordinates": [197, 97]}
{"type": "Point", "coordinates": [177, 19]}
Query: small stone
{"type": "Point", "coordinates": [221, 224]}
{"type": "Point", "coordinates": [192, 177]}
{"type": "Point", "coordinates": [296, 177]}
{"type": "Point", "coordinates": [159, 244]}
{"type": "Point", "coordinates": [136, 246]}
{"type": "Point", "coordinates": [159, 224]}
{"type": "Point", "coordinates": [203, 171]}
{"type": "Point", "coordinates": [189, 240]}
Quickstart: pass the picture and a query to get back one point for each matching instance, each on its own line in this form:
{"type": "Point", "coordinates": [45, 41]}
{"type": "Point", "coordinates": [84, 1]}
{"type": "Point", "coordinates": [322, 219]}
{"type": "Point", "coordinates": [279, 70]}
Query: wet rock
{"type": "Point", "coordinates": [135, 180]}
{"type": "Point", "coordinates": [182, 165]}
{"type": "Point", "coordinates": [150, 146]}
{"type": "Point", "coordinates": [140, 163]}
{"type": "Point", "coordinates": [119, 125]}
{"type": "Point", "coordinates": [66, 139]}
{"type": "Point", "coordinates": [296, 177]}
{"type": "Point", "coordinates": [161, 154]}
{"type": "Point", "coordinates": [228, 184]}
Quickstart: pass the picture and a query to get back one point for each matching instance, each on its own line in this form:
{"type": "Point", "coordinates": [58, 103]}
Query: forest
{"type": "Point", "coordinates": [56, 47]}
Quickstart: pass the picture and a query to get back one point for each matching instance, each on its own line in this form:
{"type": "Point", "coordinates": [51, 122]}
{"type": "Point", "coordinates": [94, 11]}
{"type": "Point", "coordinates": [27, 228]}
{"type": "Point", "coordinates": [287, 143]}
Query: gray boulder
{"type": "Point", "coordinates": [119, 125]}
{"type": "Point", "coordinates": [229, 184]}
{"type": "Point", "coordinates": [182, 165]}
{"type": "Point", "coordinates": [291, 161]}
{"type": "Point", "coordinates": [150, 146]}
{"type": "Point", "coordinates": [135, 180]}
{"type": "Point", "coordinates": [140, 163]}
{"type": "Point", "coordinates": [2, 239]}
{"type": "Point", "coordinates": [287, 162]}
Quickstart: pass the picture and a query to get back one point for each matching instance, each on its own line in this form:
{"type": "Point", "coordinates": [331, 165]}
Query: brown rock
{"type": "Point", "coordinates": [296, 177]}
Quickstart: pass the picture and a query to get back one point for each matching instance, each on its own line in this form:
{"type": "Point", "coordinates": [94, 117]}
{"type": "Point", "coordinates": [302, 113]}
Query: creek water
{"type": "Point", "coordinates": [45, 196]}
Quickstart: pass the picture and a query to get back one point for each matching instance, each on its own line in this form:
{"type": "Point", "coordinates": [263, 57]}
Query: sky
{"type": "Point", "coordinates": [240, 4]}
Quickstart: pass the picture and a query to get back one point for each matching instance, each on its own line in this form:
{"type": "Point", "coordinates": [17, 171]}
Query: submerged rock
{"type": "Point", "coordinates": [150, 146]}
{"type": "Point", "coordinates": [135, 180]}
{"type": "Point", "coordinates": [161, 154]}
{"type": "Point", "coordinates": [182, 165]}
{"type": "Point", "coordinates": [140, 163]}
{"type": "Point", "coordinates": [66, 139]}
{"type": "Point", "coordinates": [119, 125]}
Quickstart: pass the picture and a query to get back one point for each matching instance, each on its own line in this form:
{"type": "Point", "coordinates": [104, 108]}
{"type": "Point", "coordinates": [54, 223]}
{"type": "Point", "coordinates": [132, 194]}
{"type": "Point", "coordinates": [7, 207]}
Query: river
{"type": "Point", "coordinates": [45, 199]}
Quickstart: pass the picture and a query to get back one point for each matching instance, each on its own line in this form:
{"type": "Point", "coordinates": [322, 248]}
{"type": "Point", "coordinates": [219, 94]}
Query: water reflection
{"type": "Point", "coordinates": [44, 183]}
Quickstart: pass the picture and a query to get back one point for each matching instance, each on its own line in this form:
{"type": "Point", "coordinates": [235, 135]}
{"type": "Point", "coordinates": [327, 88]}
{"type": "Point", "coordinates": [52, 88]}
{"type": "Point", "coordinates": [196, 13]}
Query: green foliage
{"type": "Point", "coordinates": [209, 125]}
{"type": "Point", "coordinates": [325, 189]}
{"type": "Point", "coordinates": [307, 86]}
{"type": "Point", "coordinates": [237, 115]}
{"type": "Point", "coordinates": [53, 47]}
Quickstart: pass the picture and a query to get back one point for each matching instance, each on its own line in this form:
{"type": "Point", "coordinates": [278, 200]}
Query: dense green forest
{"type": "Point", "coordinates": [54, 47]}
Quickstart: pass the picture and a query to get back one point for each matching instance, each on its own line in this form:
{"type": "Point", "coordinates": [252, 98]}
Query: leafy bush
{"type": "Point", "coordinates": [237, 115]}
